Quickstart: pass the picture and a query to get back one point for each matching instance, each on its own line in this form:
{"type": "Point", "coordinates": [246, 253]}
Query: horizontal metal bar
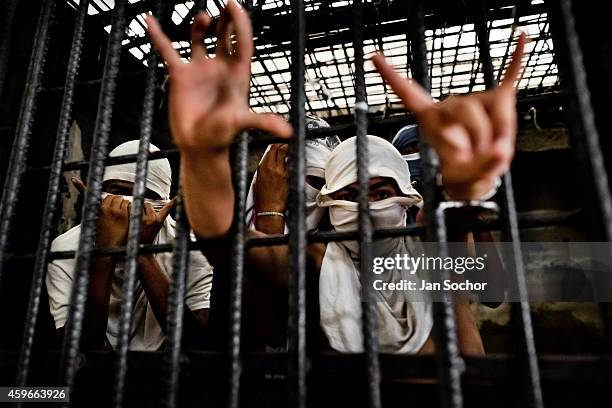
{"type": "Point", "coordinates": [527, 220]}
{"type": "Point", "coordinates": [575, 369]}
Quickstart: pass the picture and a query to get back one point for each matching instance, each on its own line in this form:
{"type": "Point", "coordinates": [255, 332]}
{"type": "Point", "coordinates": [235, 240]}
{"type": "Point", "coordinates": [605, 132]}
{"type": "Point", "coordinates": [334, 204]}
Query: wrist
{"type": "Point", "coordinates": [105, 243]}
{"type": "Point", "coordinates": [480, 190]}
{"type": "Point", "coordinates": [270, 207]}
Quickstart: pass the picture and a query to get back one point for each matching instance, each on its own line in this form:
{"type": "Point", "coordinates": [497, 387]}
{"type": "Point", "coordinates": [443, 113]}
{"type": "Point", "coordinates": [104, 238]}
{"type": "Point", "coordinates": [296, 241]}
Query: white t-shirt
{"type": "Point", "coordinates": [146, 333]}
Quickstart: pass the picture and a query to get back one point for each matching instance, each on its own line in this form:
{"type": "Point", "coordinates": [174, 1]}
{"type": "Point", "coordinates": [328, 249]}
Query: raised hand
{"type": "Point", "coordinates": [473, 135]}
{"type": "Point", "coordinates": [208, 102]}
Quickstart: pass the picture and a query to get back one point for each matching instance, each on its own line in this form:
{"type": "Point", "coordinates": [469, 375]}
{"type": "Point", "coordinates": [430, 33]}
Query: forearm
{"type": "Point", "coordinates": [98, 296]}
{"type": "Point", "coordinates": [156, 285]}
{"type": "Point", "coordinates": [208, 192]}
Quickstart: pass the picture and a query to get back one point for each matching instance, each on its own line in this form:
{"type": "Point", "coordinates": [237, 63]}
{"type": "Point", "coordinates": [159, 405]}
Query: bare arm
{"type": "Point", "coordinates": [96, 307]}
{"type": "Point", "coordinates": [112, 232]}
{"type": "Point", "coordinates": [208, 107]}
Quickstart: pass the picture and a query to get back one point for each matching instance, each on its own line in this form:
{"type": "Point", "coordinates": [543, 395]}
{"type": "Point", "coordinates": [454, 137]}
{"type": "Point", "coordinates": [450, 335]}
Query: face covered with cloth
{"type": "Point", "coordinates": [404, 324]}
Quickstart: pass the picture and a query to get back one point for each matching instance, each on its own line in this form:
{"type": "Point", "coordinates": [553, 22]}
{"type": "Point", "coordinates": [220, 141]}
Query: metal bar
{"type": "Point", "coordinates": [521, 314]}
{"type": "Point", "coordinates": [49, 215]}
{"type": "Point", "coordinates": [297, 222]}
{"type": "Point", "coordinates": [526, 220]}
{"type": "Point", "coordinates": [573, 74]}
{"type": "Point", "coordinates": [237, 267]}
{"type": "Point", "coordinates": [238, 249]}
{"type": "Point", "coordinates": [5, 39]}
{"type": "Point", "coordinates": [370, 323]}
{"type": "Point", "coordinates": [584, 134]}
{"type": "Point", "coordinates": [25, 120]}
{"type": "Point", "coordinates": [131, 260]}
{"type": "Point", "coordinates": [90, 216]}
{"type": "Point", "coordinates": [450, 364]}
{"type": "Point", "coordinates": [180, 261]}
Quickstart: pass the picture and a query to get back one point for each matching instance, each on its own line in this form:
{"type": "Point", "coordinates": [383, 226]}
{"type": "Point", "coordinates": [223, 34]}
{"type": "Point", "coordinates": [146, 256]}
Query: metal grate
{"type": "Point", "coordinates": [324, 72]}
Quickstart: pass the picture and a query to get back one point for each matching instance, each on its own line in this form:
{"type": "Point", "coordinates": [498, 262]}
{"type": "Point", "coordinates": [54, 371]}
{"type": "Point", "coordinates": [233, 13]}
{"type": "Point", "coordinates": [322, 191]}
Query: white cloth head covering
{"type": "Point", "coordinates": [159, 174]}
{"type": "Point", "coordinates": [384, 161]}
{"type": "Point", "coordinates": [317, 153]}
{"type": "Point", "coordinates": [404, 321]}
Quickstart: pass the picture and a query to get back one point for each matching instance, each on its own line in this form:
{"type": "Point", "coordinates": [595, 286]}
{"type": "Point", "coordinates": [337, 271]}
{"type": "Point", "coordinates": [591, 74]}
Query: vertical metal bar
{"type": "Point", "coordinates": [238, 246]}
{"type": "Point", "coordinates": [584, 134]}
{"type": "Point", "coordinates": [237, 268]}
{"type": "Point", "coordinates": [370, 324]}
{"type": "Point", "coordinates": [297, 220]}
{"type": "Point", "coordinates": [49, 215]}
{"type": "Point", "coordinates": [521, 314]}
{"type": "Point", "coordinates": [450, 364]}
{"type": "Point", "coordinates": [6, 39]}
{"type": "Point", "coordinates": [131, 260]}
{"type": "Point", "coordinates": [573, 74]}
{"type": "Point", "coordinates": [25, 120]}
{"type": "Point", "coordinates": [90, 216]}
{"type": "Point", "coordinates": [180, 262]}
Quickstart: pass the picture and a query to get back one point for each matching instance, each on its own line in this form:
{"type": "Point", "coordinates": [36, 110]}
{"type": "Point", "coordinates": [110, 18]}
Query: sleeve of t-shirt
{"type": "Point", "coordinates": [199, 282]}
{"type": "Point", "coordinates": [59, 288]}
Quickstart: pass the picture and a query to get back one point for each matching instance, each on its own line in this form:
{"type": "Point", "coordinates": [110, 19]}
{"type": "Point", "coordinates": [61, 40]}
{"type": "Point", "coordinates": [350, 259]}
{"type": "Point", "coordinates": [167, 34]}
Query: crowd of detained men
{"type": "Point", "coordinates": [473, 137]}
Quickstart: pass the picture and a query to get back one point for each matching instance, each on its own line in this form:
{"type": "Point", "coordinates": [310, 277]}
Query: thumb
{"type": "Point", "coordinates": [165, 211]}
{"type": "Point", "coordinates": [78, 184]}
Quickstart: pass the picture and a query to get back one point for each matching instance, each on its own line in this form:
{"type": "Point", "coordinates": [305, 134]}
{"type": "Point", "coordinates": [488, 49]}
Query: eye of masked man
{"type": "Point", "coordinates": [105, 290]}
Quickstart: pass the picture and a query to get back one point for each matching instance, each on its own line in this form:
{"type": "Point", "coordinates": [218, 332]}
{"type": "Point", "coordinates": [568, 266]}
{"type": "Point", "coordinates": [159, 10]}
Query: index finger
{"type": "Point", "coordinates": [244, 31]}
{"type": "Point", "coordinates": [415, 98]}
{"type": "Point", "coordinates": [162, 43]}
{"type": "Point", "coordinates": [515, 69]}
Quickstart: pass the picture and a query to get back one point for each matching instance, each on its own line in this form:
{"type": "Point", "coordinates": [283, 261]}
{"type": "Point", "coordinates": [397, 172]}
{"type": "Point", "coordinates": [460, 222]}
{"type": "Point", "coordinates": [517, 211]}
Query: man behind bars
{"type": "Point", "coordinates": [473, 135]}
{"type": "Point", "coordinates": [105, 290]}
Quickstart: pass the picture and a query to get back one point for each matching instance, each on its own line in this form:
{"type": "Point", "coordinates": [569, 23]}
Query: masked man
{"type": "Point", "coordinates": [105, 290]}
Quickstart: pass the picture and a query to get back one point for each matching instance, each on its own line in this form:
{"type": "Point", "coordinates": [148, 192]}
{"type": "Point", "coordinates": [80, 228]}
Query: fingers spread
{"type": "Point", "coordinates": [515, 69]}
{"type": "Point", "coordinates": [412, 94]}
{"type": "Point", "coordinates": [162, 43]}
{"type": "Point", "coordinates": [268, 122]}
{"type": "Point", "coordinates": [244, 31]}
{"type": "Point", "coordinates": [198, 33]}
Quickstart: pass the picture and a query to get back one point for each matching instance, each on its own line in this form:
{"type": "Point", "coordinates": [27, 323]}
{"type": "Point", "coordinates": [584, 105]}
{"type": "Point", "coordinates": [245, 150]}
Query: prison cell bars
{"type": "Point", "coordinates": [450, 364]}
{"type": "Point", "coordinates": [5, 38]}
{"type": "Point", "coordinates": [108, 68]}
{"type": "Point", "coordinates": [584, 134]}
{"type": "Point", "coordinates": [369, 315]}
{"type": "Point", "coordinates": [53, 191]}
{"type": "Point", "coordinates": [87, 238]}
{"type": "Point", "coordinates": [520, 311]}
{"type": "Point", "coordinates": [296, 323]}
{"type": "Point", "coordinates": [21, 142]}
{"type": "Point", "coordinates": [135, 226]}
{"type": "Point", "coordinates": [237, 267]}
{"type": "Point", "coordinates": [172, 354]}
